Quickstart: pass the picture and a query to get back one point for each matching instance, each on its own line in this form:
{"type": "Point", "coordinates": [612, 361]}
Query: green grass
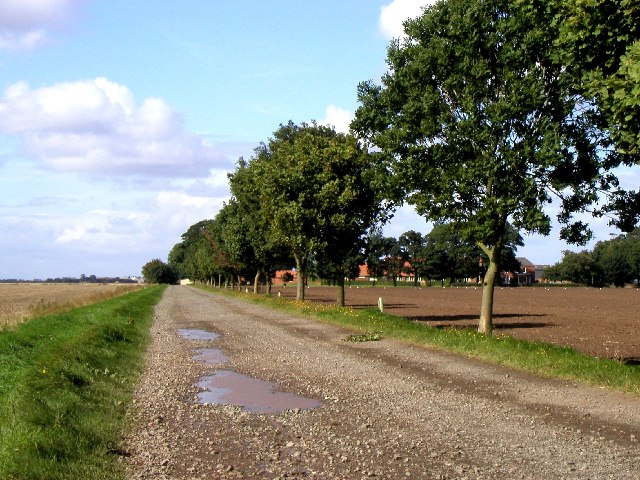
{"type": "Point", "coordinates": [537, 357]}
{"type": "Point", "coordinates": [65, 382]}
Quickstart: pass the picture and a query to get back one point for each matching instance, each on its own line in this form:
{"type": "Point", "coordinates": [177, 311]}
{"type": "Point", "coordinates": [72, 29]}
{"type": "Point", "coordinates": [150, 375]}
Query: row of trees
{"type": "Point", "coordinates": [309, 193]}
{"type": "Point", "coordinates": [489, 111]}
{"type": "Point", "coordinates": [206, 255]}
{"type": "Point", "coordinates": [613, 262]}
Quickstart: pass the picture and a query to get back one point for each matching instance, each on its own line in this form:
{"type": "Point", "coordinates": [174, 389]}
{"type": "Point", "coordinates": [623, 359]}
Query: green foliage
{"type": "Point", "coordinates": [599, 41]}
{"type": "Point", "coordinates": [479, 121]}
{"type": "Point", "coordinates": [577, 268]}
{"type": "Point", "coordinates": [363, 337]}
{"type": "Point", "coordinates": [156, 271]}
{"type": "Point", "coordinates": [614, 262]}
{"type": "Point", "coordinates": [263, 253]}
{"type": "Point", "coordinates": [65, 382]}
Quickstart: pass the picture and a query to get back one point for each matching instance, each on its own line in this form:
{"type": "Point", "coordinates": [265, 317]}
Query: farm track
{"type": "Point", "coordinates": [390, 410]}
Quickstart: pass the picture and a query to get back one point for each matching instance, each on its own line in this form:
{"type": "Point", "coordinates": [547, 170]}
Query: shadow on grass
{"type": "Point", "coordinates": [496, 326]}
{"type": "Point", "coordinates": [457, 318]}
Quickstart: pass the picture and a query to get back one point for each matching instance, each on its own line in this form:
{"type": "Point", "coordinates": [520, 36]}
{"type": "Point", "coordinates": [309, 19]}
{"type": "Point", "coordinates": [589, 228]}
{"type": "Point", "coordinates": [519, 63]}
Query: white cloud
{"type": "Point", "coordinates": [396, 12]}
{"type": "Point", "coordinates": [25, 24]}
{"type": "Point", "coordinates": [161, 221]}
{"type": "Point", "coordinates": [338, 118]}
{"type": "Point", "coordinates": [95, 126]}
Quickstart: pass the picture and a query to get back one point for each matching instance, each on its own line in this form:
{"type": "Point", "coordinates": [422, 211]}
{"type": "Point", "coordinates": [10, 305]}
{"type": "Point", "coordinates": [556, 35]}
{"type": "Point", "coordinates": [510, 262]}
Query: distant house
{"type": "Point", "coordinates": [283, 277]}
{"type": "Point", "coordinates": [405, 275]}
{"type": "Point", "coordinates": [526, 274]}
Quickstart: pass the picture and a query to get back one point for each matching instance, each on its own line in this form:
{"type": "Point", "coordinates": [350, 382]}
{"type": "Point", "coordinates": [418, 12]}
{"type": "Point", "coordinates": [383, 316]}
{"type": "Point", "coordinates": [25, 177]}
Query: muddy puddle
{"type": "Point", "coordinates": [230, 388]}
{"type": "Point", "coordinates": [194, 334]}
{"type": "Point", "coordinates": [211, 356]}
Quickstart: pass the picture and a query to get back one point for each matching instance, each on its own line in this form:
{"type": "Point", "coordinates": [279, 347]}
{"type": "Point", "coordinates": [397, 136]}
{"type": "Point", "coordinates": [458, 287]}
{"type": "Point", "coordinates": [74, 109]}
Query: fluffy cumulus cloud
{"type": "Point", "coordinates": [338, 118]}
{"type": "Point", "coordinates": [396, 12]}
{"type": "Point", "coordinates": [26, 24]}
{"type": "Point", "coordinates": [96, 126]}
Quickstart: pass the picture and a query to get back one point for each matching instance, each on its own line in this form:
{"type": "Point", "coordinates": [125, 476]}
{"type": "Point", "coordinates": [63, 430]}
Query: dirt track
{"type": "Point", "coordinates": [388, 410]}
{"type": "Point", "coordinates": [600, 322]}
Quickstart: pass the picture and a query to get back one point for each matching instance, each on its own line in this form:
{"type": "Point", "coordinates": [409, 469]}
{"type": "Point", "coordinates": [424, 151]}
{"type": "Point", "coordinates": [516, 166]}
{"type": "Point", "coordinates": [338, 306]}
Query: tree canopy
{"type": "Point", "coordinates": [156, 271]}
{"type": "Point", "coordinates": [318, 194]}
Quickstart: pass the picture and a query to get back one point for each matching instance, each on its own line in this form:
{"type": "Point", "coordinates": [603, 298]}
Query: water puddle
{"type": "Point", "coordinates": [211, 356]}
{"type": "Point", "coordinates": [230, 388]}
{"type": "Point", "coordinates": [193, 334]}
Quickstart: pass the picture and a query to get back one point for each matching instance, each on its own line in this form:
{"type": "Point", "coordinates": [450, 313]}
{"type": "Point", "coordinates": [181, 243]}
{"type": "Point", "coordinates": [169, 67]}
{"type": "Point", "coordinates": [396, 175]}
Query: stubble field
{"type": "Point", "coordinates": [600, 322]}
{"type": "Point", "coordinates": [21, 301]}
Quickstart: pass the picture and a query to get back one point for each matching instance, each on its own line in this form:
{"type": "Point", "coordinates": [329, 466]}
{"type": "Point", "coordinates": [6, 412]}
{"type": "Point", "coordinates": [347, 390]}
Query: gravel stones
{"type": "Point", "coordinates": [390, 410]}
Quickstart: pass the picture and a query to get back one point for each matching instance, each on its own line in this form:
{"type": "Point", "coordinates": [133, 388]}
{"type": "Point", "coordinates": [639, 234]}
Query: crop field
{"type": "Point", "coordinates": [21, 301]}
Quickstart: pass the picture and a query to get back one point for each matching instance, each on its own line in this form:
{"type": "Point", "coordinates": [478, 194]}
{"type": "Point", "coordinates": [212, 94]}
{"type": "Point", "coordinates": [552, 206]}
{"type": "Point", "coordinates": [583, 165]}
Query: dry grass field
{"type": "Point", "coordinates": [21, 301]}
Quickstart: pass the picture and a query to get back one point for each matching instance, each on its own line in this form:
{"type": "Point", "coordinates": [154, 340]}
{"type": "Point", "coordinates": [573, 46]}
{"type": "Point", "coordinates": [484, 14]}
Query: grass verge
{"type": "Point", "coordinates": [65, 382]}
{"type": "Point", "coordinates": [536, 357]}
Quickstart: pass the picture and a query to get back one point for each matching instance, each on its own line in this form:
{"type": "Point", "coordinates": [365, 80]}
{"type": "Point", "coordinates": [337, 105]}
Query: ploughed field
{"type": "Point", "coordinates": [20, 301]}
{"type": "Point", "coordinates": [600, 322]}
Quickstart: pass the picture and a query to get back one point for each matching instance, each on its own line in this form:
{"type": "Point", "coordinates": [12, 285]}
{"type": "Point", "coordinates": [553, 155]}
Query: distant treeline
{"type": "Point", "coordinates": [82, 279]}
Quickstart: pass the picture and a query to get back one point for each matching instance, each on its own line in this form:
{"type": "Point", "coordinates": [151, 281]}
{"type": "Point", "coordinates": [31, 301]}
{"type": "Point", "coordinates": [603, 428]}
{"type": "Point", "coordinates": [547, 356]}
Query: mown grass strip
{"type": "Point", "coordinates": [537, 357]}
{"type": "Point", "coordinates": [65, 382]}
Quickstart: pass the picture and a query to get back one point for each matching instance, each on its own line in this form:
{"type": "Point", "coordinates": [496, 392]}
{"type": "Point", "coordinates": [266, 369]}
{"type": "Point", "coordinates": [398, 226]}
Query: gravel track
{"type": "Point", "coordinates": [390, 410]}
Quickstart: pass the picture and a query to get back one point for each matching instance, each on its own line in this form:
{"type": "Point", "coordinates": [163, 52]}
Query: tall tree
{"type": "Point", "coordinates": [317, 190]}
{"type": "Point", "coordinates": [394, 262]}
{"type": "Point", "coordinates": [377, 248]}
{"type": "Point", "coordinates": [194, 256]}
{"type": "Point", "coordinates": [413, 246]}
{"type": "Point", "coordinates": [479, 121]}
{"type": "Point", "coordinates": [266, 254]}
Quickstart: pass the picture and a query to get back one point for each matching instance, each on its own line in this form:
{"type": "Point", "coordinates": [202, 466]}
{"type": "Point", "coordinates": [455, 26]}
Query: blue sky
{"type": "Point", "coordinates": [120, 119]}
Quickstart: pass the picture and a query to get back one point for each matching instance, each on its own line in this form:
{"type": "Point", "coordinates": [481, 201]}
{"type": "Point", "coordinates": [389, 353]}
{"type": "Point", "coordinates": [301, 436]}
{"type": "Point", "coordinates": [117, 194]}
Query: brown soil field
{"type": "Point", "coordinates": [600, 322]}
{"type": "Point", "coordinates": [21, 301]}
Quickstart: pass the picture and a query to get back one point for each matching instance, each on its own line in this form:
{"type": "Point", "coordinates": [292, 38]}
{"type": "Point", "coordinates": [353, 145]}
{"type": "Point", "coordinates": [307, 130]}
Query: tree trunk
{"type": "Point", "coordinates": [300, 272]}
{"type": "Point", "coordinates": [255, 282]}
{"type": "Point", "coordinates": [340, 291]}
{"type": "Point", "coordinates": [486, 310]}
{"type": "Point", "coordinates": [485, 324]}
{"type": "Point", "coordinates": [268, 285]}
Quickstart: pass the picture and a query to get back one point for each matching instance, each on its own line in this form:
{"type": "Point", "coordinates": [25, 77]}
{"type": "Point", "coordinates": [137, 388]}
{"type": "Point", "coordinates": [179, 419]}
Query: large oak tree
{"type": "Point", "coordinates": [484, 128]}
